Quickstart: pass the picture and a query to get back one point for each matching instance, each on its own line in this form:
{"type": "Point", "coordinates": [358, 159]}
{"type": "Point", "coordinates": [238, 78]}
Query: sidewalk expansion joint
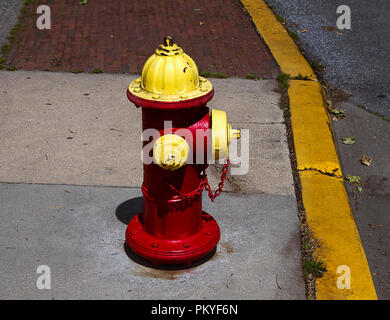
{"type": "Point", "coordinates": [93, 185]}
{"type": "Point", "coordinates": [254, 122]}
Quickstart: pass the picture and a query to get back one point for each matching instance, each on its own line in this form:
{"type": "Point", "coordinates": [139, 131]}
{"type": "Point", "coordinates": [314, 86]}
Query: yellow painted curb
{"type": "Point", "coordinates": [329, 217]}
{"type": "Point", "coordinates": [282, 47]}
{"type": "Point", "coordinates": [313, 138]}
{"type": "Point", "coordinates": [328, 212]}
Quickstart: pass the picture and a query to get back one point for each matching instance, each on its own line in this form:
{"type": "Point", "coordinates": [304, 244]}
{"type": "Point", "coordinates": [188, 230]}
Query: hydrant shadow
{"type": "Point", "coordinates": [128, 209]}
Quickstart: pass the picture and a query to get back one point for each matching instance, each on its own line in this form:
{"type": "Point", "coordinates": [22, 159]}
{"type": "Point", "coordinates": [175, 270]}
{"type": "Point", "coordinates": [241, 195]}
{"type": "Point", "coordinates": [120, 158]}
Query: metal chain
{"type": "Point", "coordinates": [213, 195]}
{"type": "Point", "coordinates": [204, 184]}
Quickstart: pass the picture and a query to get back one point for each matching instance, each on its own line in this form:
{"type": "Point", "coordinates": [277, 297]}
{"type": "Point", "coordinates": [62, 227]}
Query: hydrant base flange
{"type": "Point", "coordinates": [168, 251]}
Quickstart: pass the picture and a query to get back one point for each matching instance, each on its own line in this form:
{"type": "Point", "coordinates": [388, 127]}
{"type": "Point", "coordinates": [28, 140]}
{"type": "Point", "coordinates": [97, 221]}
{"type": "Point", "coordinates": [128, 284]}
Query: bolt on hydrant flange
{"type": "Point", "coordinates": [172, 228]}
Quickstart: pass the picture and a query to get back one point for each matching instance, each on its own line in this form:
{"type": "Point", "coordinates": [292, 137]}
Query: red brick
{"type": "Point", "coordinates": [220, 36]}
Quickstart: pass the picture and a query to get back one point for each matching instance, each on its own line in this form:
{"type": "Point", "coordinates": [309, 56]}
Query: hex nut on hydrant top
{"type": "Point", "coordinates": [186, 136]}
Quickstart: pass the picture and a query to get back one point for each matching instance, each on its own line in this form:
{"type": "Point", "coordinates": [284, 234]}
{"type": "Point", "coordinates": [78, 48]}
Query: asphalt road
{"type": "Point", "coordinates": [357, 62]}
{"type": "Point", "coordinates": [9, 11]}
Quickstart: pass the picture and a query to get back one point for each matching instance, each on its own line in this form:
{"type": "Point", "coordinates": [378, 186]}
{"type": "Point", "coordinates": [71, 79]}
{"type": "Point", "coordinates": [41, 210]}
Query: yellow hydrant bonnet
{"type": "Point", "coordinates": [170, 75]}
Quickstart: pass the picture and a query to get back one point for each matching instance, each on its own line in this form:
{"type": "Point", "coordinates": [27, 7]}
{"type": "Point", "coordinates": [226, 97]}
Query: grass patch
{"type": "Point", "coordinates": [315, 65]}
{"type": "Point", "coordinates": [283, 80]}
{"type": "Point", "coordinates": [97, 71]}
{"type": "Point", "coordinates": [286, 110]}
{"type": "Point", "coordinates": [55, 62]}
{"type": "Point", "coordinates": [11, 68]}
{"type": "Point", "coordinates": [293, 35]}
{"type": "Point", "coordinates": [251, 76]}
{"type": "Point", "coordinates": [313, 267]}
{"type": "Point", "coordinates": [14, 30]}
{"type": "Point", "coordinates": [307, 245]}
{"type": "Point", "coordinates": [77, 71]}
{"type": "Point", "coordinates": [112, 61]}
{"type": "Point", "coordinates": [208, 74]}
{"type": "Point", "coordinates": [23, 10]}
{"type": "Point", "coordinates": [280, 19]}
{"type": "Point", "coordinates": [5, 48]}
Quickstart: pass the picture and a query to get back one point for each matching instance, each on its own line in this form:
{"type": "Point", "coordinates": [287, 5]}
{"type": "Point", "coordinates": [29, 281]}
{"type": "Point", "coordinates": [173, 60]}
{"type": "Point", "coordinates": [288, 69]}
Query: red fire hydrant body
{"type": "Point", "coordinates": [172, 227]}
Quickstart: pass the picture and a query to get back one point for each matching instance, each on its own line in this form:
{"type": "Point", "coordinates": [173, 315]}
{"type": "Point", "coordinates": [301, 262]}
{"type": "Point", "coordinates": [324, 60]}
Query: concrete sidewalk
{"type": "Point", "coordinates": [70, 172]}
{"type": "Point", "coordinates": [79, 233]}
{"type": "Point", "coordinates": [64, 128]}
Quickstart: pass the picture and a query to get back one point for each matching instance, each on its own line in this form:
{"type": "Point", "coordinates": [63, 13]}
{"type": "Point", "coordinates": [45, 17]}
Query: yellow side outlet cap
{"type": "Point", "coordinates": [221, 134]}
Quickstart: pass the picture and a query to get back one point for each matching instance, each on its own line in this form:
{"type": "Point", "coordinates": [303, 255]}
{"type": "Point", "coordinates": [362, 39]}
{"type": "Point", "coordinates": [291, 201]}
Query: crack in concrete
{"type": "Point", "coordinates": [330, 174]}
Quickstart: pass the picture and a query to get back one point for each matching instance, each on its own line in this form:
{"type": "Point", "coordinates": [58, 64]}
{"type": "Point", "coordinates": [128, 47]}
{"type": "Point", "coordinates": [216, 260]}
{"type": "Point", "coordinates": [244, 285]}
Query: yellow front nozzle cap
{"type": "Point", "coordinates": [170, 152]}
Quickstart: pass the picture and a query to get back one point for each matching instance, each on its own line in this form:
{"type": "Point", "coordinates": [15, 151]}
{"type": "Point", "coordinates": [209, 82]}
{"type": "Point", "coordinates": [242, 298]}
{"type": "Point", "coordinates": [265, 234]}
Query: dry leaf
{"type": "Point", "coordinates": [366, 160]}
{"type": "Point", "coordinates": [348, 140]}
{"type": "Point", "coordinates": [330, 28]}
{"type": "Point", "coordinates": [353, 179]}
{"type": "Point", "coordinates": [338, 113]}
{"type": "Point", "coordinates": [201, 23]}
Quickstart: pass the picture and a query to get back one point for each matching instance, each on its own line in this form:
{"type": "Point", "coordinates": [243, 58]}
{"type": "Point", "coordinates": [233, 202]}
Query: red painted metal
{"type": "Point", "coordinates": [172, 229]}
{"type": "Point", "coordinates": [170, 105]}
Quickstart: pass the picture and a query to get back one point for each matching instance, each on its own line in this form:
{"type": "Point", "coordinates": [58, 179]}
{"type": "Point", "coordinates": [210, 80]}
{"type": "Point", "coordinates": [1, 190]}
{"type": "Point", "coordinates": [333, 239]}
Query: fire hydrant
{"type": "Point", "coordinates": [172, 228]}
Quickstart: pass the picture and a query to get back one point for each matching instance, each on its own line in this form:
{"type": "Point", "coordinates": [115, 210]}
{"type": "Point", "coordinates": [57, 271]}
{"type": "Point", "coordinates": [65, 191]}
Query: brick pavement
{"type": "Point", "coordinates": [119, 35]}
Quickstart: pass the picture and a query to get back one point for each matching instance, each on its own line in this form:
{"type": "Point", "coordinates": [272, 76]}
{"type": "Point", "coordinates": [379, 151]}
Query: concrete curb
{"type": "Point", "coordinates": [328, 212]}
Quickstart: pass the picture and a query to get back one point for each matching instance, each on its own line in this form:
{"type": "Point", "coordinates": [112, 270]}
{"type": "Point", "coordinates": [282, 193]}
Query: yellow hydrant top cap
{"type": "Point", "coordinates": [170, 75]}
